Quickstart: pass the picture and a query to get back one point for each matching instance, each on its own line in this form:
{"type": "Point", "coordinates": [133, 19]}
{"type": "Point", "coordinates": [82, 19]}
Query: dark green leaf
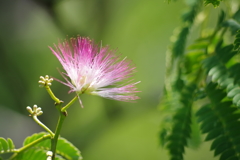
{"type": "Point", "coordinates": [236, 16]}
{"type": "Point", "coordinates": [227, 154]}
{"type": "Point", "coordinates": [218, 141]}
{"type": "Point", "coordinates": [221, 18]}
{"type": "Point", "coordinates": [233, 158]}
{"type": "Point", "coordinates": [163, 135]}
{"type": "Point", "coordinates": [203, 110]}
{"type": "Point", "coordinates": [208, 126]}
{"type": "Point", "coordinates": [221, 148]}
{"type": "Point", "coordinates": [179, 45]}
{"type": "Point", "coordinates": [214, 134]}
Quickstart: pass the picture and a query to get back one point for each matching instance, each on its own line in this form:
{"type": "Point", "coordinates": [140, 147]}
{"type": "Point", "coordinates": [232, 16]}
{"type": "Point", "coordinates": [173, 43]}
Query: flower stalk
{"type": "Point", "coordinates": [47, 82]}
{"type": "Point", "coordinates": [34, 113]}
{"type": "Point", "coordinates": [43, 126]}
{"type": "Point", "coordinates": [62, 116]}
{"type": "Point", "coordinates": [58, 101]}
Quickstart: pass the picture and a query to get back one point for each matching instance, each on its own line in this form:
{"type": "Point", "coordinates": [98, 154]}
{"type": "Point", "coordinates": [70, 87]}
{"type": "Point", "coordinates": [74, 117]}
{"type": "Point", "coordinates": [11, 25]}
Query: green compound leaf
{"type": "Point", "coordinates": [6, 145]}
{"type": "Point", "coordinates": [65, 149]}
{"type": "Point", "coordinates": [181, 39]}
{"type": "Point", "coordinates": [177, 140]}
{"type": "Point", "coordinates": [225, 122]}
{"type": "Point", "coordinates": [227, 78]}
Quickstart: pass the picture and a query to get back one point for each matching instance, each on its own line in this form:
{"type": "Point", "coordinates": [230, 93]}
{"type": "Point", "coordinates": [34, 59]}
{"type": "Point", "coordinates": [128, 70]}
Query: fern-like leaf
{"type": "Point", "coordinates": [181, 39]}
{"type": "Point", "coordinates": [181, 131]}
{"type": "Point", "coordinates": [196, 51]}
{"type": "Point", "coordinates": [226, 78]}
{"type": "Point", "coordinates": [219, 120]}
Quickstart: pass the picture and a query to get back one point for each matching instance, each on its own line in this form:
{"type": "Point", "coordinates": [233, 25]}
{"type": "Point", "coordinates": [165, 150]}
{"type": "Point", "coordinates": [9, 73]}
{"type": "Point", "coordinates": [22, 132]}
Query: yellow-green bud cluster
{"type": "Point", "coordinates": [45, 81]}
{"type": "Point", "coordinates": [35, 110]}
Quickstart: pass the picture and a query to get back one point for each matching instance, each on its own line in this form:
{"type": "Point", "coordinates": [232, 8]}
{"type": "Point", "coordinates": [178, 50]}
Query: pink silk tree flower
{"type": "Point", "coordinates": [95, 70]}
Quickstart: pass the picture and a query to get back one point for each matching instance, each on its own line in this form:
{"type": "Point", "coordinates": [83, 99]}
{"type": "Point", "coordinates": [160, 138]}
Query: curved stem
{"type": "Point", "coordinates": [58, 101]}
{"type": "Point", "coordinates": [42, 125]}
{"type": "Point", "coordinates": [30, 145]}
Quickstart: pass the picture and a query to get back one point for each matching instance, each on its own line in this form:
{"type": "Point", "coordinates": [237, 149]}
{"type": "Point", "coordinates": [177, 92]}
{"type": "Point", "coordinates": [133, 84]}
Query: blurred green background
{"type": "Point", "coordinates": [104, 129]}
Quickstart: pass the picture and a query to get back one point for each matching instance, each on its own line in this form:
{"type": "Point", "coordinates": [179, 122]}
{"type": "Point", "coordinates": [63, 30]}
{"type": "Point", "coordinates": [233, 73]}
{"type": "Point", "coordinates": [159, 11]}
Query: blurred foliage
{"type": "Point", "coordinates": [202, 82]}
{"type": "Point", "coordinates": [140, 30]}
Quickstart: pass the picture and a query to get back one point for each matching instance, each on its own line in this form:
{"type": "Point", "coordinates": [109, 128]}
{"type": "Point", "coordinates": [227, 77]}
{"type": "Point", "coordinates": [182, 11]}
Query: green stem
{"type": "Point", "coordinates": [42, 125]}
{"type": "Point", "coordinates": [30, 145]}
{"type": "Point", "coordinates": [69, 104]}
{"type": "Point", "coordinates": [62, 116]}
{"type": "Point", "coordinates": [58, 129]}
{"type": "Point", "coordinates": [58, 101]}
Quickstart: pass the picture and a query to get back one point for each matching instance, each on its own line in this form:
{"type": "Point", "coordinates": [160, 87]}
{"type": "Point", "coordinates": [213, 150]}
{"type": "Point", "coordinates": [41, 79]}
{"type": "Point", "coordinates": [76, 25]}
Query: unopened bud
{"type": "Point", "coordinates": [35, 107]}
{"type": "Point", "coordinates": [42, 78]}
{"type": "Point", "coordinates": [38, 109]}
{"type": "Point", "coordinates": [39, 113]}
{"type": "Point", "coordinates": [45, 81]}
{"type": "Point", "coordinates": [41, 82]}
{"type": "Point", "coordinates": [35, 110]}
{"type": "Point", "coordinates": [29, 109]}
